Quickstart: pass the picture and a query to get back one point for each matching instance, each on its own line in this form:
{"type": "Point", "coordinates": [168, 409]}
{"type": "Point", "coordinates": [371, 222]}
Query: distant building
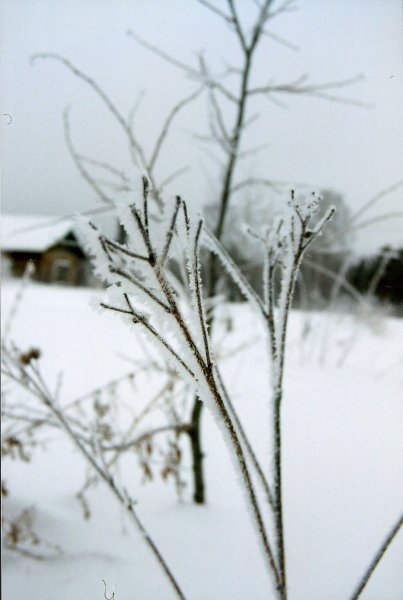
{"type": "Point", "coordinates": [53, 246]}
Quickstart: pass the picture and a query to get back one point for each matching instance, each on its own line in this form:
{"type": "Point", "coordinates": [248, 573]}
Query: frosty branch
{"type": "Point", "coordinates": [141, 289]}
{"type": "Point", "coordinates": [285, 242]}
{"type": "Point", "coordinates": [29, 377]}
{"type": "Point", "coordinates": [140, 158]}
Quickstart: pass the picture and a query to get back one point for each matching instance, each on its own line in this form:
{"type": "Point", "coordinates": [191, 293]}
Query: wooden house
{"type": "Point", "coordinates": [52, 246]}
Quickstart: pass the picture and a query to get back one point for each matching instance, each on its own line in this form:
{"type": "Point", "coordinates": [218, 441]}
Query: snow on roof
{"type": "Point", "coordinates": [32, 233]}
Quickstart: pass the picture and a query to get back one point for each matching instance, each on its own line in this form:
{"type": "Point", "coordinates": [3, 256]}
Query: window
{"type": "Point", "coordinates": [61, 271]}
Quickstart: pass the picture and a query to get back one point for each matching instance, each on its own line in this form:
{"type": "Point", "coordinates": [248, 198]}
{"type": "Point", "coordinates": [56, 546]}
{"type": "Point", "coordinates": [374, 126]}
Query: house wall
{"type": "Point", "coordinates": [59, 265]}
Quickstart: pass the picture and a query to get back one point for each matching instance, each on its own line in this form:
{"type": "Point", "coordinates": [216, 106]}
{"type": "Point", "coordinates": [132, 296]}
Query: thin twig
{"type": "Point", "coordinates": [168, 122]}
{"type": "Point", "coordinates": [377, 558]}
{"type": "Point", "coordinates": [170, 233]}
{"type": "Point", "coordinates": [138, 440]}
{"type": "Point", "coordinates": [79, 162]}
{"type": "Point", "coordinates": [318, 90]}
{"type": "Point", "coordinates": [215, 10]}
{"type": "Point", "coordinates": [198, 294]}
{"type": "Point", "coordinates": [237, 25]}
{"type": "Point", "coordinates": [378, 196]}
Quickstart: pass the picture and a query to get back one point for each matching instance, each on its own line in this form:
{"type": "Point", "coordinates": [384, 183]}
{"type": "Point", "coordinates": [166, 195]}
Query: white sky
{"type": "Point", "coordinates": [355, 151]}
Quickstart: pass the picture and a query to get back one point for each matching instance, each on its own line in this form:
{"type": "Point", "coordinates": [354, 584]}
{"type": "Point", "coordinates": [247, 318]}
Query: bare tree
{"type": "Point", "coordinates": [230, 95]}
{"type": "Point", "coordinates": [228, 135]}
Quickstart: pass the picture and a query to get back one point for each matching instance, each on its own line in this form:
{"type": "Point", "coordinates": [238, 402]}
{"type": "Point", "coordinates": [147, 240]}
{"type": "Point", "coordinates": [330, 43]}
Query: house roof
{"type": "Point", "coordinates": [23, 233]}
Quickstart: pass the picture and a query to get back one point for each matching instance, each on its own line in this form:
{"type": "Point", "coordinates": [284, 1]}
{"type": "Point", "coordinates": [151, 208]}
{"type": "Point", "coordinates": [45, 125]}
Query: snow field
{"type": "Point", "coordinates": [342, 461]}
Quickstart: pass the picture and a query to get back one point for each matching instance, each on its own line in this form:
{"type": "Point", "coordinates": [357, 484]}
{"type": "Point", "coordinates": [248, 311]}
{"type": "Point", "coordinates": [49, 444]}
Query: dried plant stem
{"type": "Point", "coordinates": [377, 558]}
{"type": "Point", "coordinates": [33, 377]}
{"type": "Point", "coordinates": [277, 362]}
{"type": "Point", "coordinates": [246, 442]}
{"type": "Point", "coordinates": [298, 239]}
{"type": "Point", "coordinates": [249, 487]}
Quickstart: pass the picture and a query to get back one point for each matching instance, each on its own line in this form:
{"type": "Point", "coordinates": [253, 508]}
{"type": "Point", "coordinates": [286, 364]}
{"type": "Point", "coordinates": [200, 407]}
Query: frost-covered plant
{"type": "Point", "coordinates": [24, 370]}
{"type": "Point", "coordinates": [107, 424]}
{"type": "Point", "coordinates": [284, 243]}
{"type": "Point", "coordinates": [143, 290]}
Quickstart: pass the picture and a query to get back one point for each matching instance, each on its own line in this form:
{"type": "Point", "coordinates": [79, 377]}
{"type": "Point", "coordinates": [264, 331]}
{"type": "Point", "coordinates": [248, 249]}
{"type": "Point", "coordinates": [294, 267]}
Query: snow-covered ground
{"type": "Point", "coordinates": [343, 449]}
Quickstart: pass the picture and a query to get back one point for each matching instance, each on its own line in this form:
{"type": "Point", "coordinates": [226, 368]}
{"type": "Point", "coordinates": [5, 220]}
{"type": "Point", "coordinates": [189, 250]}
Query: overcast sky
{"type": "Point", "coordinates": [355, 151]}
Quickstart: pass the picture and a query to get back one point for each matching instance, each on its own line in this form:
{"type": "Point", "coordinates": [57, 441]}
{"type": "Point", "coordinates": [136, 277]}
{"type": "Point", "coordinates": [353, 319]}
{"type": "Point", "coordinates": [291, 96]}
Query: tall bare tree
{"type": "Point", "coordinates": [228, 119]}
